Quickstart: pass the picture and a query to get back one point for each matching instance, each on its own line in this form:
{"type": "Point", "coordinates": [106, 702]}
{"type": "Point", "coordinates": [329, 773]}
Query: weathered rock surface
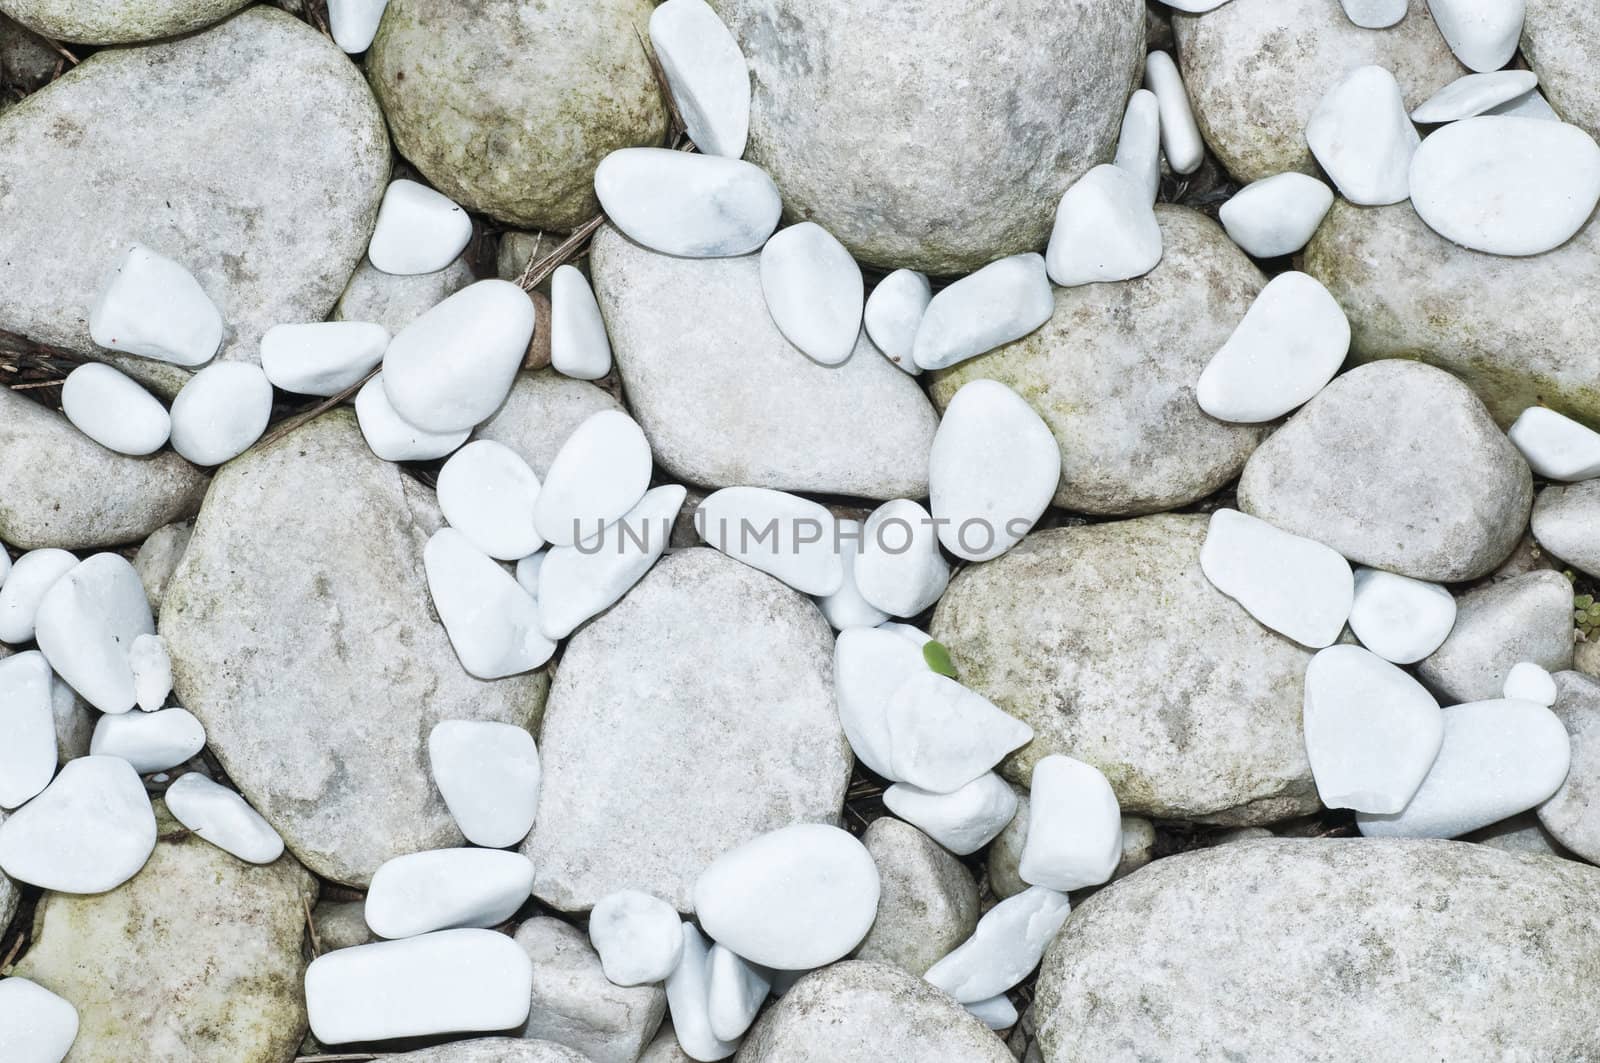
{"type": "Point", "coordinates": [395, 300]}
{"type": "Point", "coordinates": [541, 412]}
{"type": "Point", "coordinates": [1566, 520]}
{"type": "Point", "coordinates": [494, 1050]}
{"type": "Point", "coordinates": [1524, 618]}
{"type": "Point", "coordinates": [575, 1005]}
{"type": "Point", "coordinates": [94, 22]}
{"type": "Point", "coordinates": [1572, 816]}
{"type": "Point", "coordinates": [1561, 41]}
{"type": "Point", "coordinates": [927, 901]}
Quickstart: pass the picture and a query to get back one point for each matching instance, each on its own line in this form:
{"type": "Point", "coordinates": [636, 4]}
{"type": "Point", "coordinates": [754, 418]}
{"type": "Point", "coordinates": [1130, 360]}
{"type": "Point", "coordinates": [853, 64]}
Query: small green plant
{"type": "Point", "coordinates": [1585, 612]}
{"type": "Point", "coordinates": [938, 658]}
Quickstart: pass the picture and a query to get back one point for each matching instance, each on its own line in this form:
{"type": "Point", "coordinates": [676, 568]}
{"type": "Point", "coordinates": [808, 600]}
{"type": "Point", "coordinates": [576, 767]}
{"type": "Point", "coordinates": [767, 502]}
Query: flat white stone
{"type": "Point", "coordinates": [797, 897]}
{"type": "Point", "coordinates": [1006, 946]}
{"type": "Point", "coordinates": [1293, 585]}
{"type": "Point", "coordinates": [1139, 143]}
{"type": "Point", "coordinates": [597, 476]}
{"type": "Point", "coordinates": [453, 981]}
{"type": "Point", "coordinates": [150, 741]}
{"type": "Point", "coordinates": [223, 818]}
{"type": "Point", "coordinates": [869, 665]}
{"type": "Point", "coordinates": [34, 573]}
{"type": "Point", "coordinates": [900, 569]}
{"type": "Point", "coordinates": [579, 347]}
{"type": "Point", "coordinates": [813, 290]}
{"type": "Point", "coordinates": [492, 622]}
{"type": "Point", "coordinates": [443, 889]}
{"type": "Point", "coordinates": [992, 470]}
{"type": "Point", "coordinates": [1001, 302]}
{"type": "Point", "coordinates": [115, 412]}
{"type": "Point", "coordinates": [1276, 215]}
{"type": "Point", "coordinates": [355, 22]}
{"type": "Point", "coordinates": [707, 74]}
{"type": "Point", "coordinates": [36, 1026]}
{"type": "Point", "coordinates": [27, 728]}
{"type": "Point", "coordinates": [639, 937]}
{"type": "Point", "coordinates": [86, 624]}
{"type": "Point", "coordinates": [692, 205]}
{"type": "Point", "coordinates": [689, 1001]}
{"type": "Point", "coordinates": [893, 314]}
{"type": "Point", "coordinates": [1363, 137]}
{"type": "Point", "coordinates": [582, 581]}
{"type": "Point", "coordinates": [487, 492]}
{"type": "Point", "coordinates": [391, 437]}
{"type": "Point", "coordinates": [1074, 826]}
{"type": "Point", "coordinates": [488, 774]}
{"type": "Point", "coordinates": [1399, 618]}
{"type": "Point", "coordinates": [1505, 185]}
{"type": "Point", "coordinates": [964, 821]}
{"type": "Point", "coordinates": [221, 412]}
{"type": "Point", "coordinates": [153, 307]}
{"type": "Point", "coordinates": [1498, 758]}
{"type": "Point", "coordinates": [1474, 94]}
{"type": "Point", "coordinates": [1375, 14]}
{"type": "Point", "coordinates": [1105, 230]}
{"type": "Point", "coordinates": [453, 366]}
{"type": "Point", "coordinates": [1372, 731]}
{"type": "Point", "coordinates": [322, 357]}
{"type": "Point", "coordinates": [783, 535]}
{"type": "Point", "coordinates": [943, 736]}
{"type": "Point", "coordinates": [1556, 446]}
{"type": "Point", "coordinates": [152, 671]}
{"type": "Point", "coordinates": [1482, 33]}
{"type": "Point", "coordinates": [736, 991]}
{"type": "Point", "coordinates": [1293, 339]}
{"type": "Point", "coordinates": [845, 607]}
{"type": "Point", "coordinates": [418, 230]}
{"type": "Point", "coordinates": [91, 829]}
{"type": "Point", "coordinates": [528, 570]}
{"type": "Point", "coordinates": [1529, 682]}
{"type": "Point", "coordinates": [996, 1012]}
{"type": "Point", "coordinates": [1180, 134]}
{"type": "Point", "coordinates": [1528, 105]}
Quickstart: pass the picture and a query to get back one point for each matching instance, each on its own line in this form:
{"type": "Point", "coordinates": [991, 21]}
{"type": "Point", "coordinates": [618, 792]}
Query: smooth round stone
{"type": "Point", "coordinates": [1294, 585]}
{"type": "Point", "coordinates": [1074, 826]}
{"type": "Point", "coordinates": [992, 471]}
{"type": "Point", "coordinates": [114, 411]}
{"type": "Point", "coordinates": [1556, 446]}
{"type": "Point", "coordinates": [391, 437]}
{"type": "Point", "coordinates": [150, 741]}
{"type": "Point", "coordinates": [1399, 618]}
{"type": "Point", "coordinates": [86, 625]}
{"type": "Point", "coordinates": [1139, 143]}
{"type": "Point", "coordinates": [1569, 814]}
{"type": "Point", "coordinates": [1276, 215]}
{"type": "Point", "coordinates": [1293, 339]}
{"type": "Point", "coordinates": [354, 23]}
{"type": "Point", "coordinates": [845, 608]}
{"type": "Point", "coordinates": [783, 535]}
{"type": "Point", "coordinates": [963, 821]}
{"type": "Point", "coordinates": [322, 357]}
{"type": "Point", "coordinates": [1372, 731]}
{"type": "Point", "coordinates": [734, 993]}
{"type": "Point", "coordinates": [598, 475]}
{"type": "Point", "coordinates": [1529, 682]}
{"type": "Point", "coordinates": [927, 900]}
{"type": "Point", "coordinates": [579, 582]}
{"type": "Point", "coordinates": [707, 74]}
{"type": "Point", "coordinates": [89, 831]}
{"type": "Point", "coordinates": [452, 367]}
{"type": "Point", "coordinates": [1473, 95]}
{"type": "Point", "coordinates": [488, 774]}
{"type": "Point", "coordinates": [27, 728]}
{"type": "Point", "coordinates": [1566, 522]}
{"type": "Point", "coordinates": [418, 230]}
{"type": "Point", "coordinates": [943, 736]}
{"type": "Point", "coordinates": [444, 889]}
{"type": "Point", "coordinates": [1374, 14]}
{"type": "Point", "coordinates": [1363, 137]}
{"type": "Point", "coordinates": [487, 493]}
{"type": "Point", "coordinates": [1482, 33]}
{"type": "Point", "coordinates": [1001, 302]}
{"type": "Point", "coordinates": [893, 314]}
{"type": "Point", "coordinates": [794, 898]}
{"type": "Point", "coordinates": [34, 573]}
{"type": "Point", "coordinates": [1498, 758]}
{"type": "Point", "coordinates": [1005, 948]}
{"type": "Point", "coordinates": [153, 307]}
{"type": "Point", "coordinates": [899, 569]}
{"type": "Point", "coordinates": [1180, 135]}
{"type": "Point", "coordinates": [639, 937]}
{"type": "Point", "coordinates": [1507, 186]}
{"type": "Point", "coordinates": [492, 622]}
{"type": "Point", "coordinates": [695, 206]}
{"type": "Point", "coordinates": [453, 981]}
{"type": "Point", "coordinates": [579, 347]}
{"type": "Point", "coordinates": [36, 1026]}
{"type": "Point", "coordinates": [221, 412]}
{"type": "Point", "coordinates": [869, 666]}
{"type": "Point", "coordinates": [223, 818]}
{"type": "Point", "coordinates": [1105, 230]}
{"type": "Point", "coordinates": [814, 291]}
{"type": "Point", "coordinates": [689, 1000]}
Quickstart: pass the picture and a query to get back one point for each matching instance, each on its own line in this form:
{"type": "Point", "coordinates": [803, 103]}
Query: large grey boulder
{"type": "Point", "coordinates": [303, 637]}
{"type": "Point", "coordinates": [727, 401]}
{"type": "Point", "coordinates": [1561, 41]}
{"type": "Point", "coordinates": [97, 22]}
{"type": "Point", "coordinates": [1524, 618]}
{"type": "Point", "coordinates": [1572, 815]}
{"type": "Point", "coordinates": [1110, 642]}
{"type": "Point", "coordinates": [60, 488]}
{"type": "Point", "coordinates": [542, 410]}
{"type": "Point", "coordinates": [507, 107]}
{"type": "Point", "coordinates": [1506, 326]}
{"type": "Point", "coordinates": [927, 901]}
{"type": "Point", "coordinates": [575, 1005]}
{"type": "Point", "coordinates": [1113, 374]}
{"type": "Point", "coordinates": [1396, 465]}
{"type": "Point", "coordinates": [1256, 70]}
{"type": "Point", "coordinates": [261, 173]}
{"type": "Point", "coordinates": [934, 137]}
{"type": "Point", "coordinates": [1333, 950]}
{"type": "Point", "coordinates": [1566, 521]}
{"type": "Point", "coordinates": [694, 715]}
{"type": "Point", "coordinates": [196, 958]}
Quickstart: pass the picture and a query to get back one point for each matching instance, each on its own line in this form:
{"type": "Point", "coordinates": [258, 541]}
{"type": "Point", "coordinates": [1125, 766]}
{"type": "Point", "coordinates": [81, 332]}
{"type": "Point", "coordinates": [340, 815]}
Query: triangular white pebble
{"type": "Point", "coordinates": [943, 736]}
{"type": "Point", "coordinates": [1105, 230]}
{"type": "Point", "coordinates": [153, 307]}
{"type": "Point", "coordinates": [91, 829]}
{"type": "Point", "coordinates": [1363, 137]}
{"type": "Point", "coordinates": [814, 291]}
{"type": "Point", "coordinates": [1276, 215]}
{"type": "Point", "coordinates": [418, 230]}
{"type": "Point", "coordinates": [1293, 585]}
{"type": "Point", "coordinates": [579, 347]}
{"type": "Point", "coordinates": [86, 625]}
{"type": "Point", "coordinates": [1291, 342]}
{"type": "Point", "coordinates": [453, 366]}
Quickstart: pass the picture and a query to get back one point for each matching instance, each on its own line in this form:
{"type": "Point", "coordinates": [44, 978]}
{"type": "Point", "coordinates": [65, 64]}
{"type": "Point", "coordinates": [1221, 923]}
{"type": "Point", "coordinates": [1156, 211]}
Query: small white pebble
{"type": "Point", "coordinates": [153, 307]}
{"type": "Point", "coordinates": [1529, 682]}
{"type": "Point", "coordinates": [1180, 134]}
{"type": "Point", "coordinates": [114, 411]}
{"type": "Point", "coordinates": [418, 230]}
{"type": "Point", "coordinates": [152, 671]}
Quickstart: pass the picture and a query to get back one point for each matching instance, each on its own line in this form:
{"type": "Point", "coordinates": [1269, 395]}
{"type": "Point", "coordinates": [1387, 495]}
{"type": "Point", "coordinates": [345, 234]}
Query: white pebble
{"type": "Point", "coordinates": [735, 992]}
{"type": "Point", "coordinates": [1293, 585]}
{"type": "Point", "coordinates": [488, 774]}
{"type": "Point", "coordinates": [322, 357]}
{"type": "Point", "coordinates": [27, 728]}
{"type": "Point", "coordinates": [1399, 618]}
{"type": "Point", "coordinates": [707, 74]}
{"type": "Point", "coordinates": [153, 307]}
{"type": "Point", "coordinates": [1482, 33]}
{"type": "Point", "coordinates": [1556, 446]}
{"type": "Point", "coordinates": [1139, 143]}
{"type": "Point", "coordinates": [1363, 137]}
{"type": "Point", "coordinates": [1006, 946]}
{"type": "Point", "coordinates": [528, 570]}
{"type": "Point", "coordinates": [845, 607]}
{"type": "Point", "coordinates": [579, 347]}
{"type": "Point", "coordinates": [487, 492]}
{"type": "Point", "coordinates": [1293, 339]}
{"type": "Point", "coordinates": [391, 437]}
{"type": "Point", "coordinates": [1529, 682]}
{"type": "Point", "coordinates": [1375, 14]}
{"type": "Point", "coordinates": [639, 937]}
{"type": "Point", "coordinates": [114, 411]}
{"type": "Point", "coordinates": [813, 290]}
{"type": "Point", "coordinates": [86, 626]}
{"type": "Point", "coordinates": [964, 821]}
{"type": "Point", "coordinates": [597, 476]}
{"type": "Point", "coordinates": [1001, 302]}
{"type": "Point", "coordinates": [1180, 134]}
{"type": "Point", "coordinates": [1074, 826]}
{"type": "Point", "coordinates": [453, 366]}
{"type": "Point", "coordinates": [32, 574]}
{"type": "Point", "coordinates": [696, 206]}
{"type": "Point", "coordinates": [1276, 215]}
{"type": "Point", "coordinates": [150, 741]}
{"type": "Point", "coordinates": [578, 582]}
{"type": "Point", "coordinates": [152, 671]}
{"type": "Point", "coordinates": [689, 1001]}
{"type": "Point", "coordinates": [899, 569]}
{"type": "Point", "coordinates": [221, 412]}
{"type": "Point", "coordinates": [894, 312]}
{"type": "Point", "coordinates": [354, 23]}
{"type": "Point", "coordinates": [1105, 230]}
{"type": "Point", "coordinates": [36, 1026]}
{"type": "Point", "coordinates": [943, 736]}
{"type": "Point", "coordinates": [492, 622]}
{"type": "Point", "coordinates": [443, 889]}
{"type": "Point", "coordinates": [1474, 94]}
{"type": "Point", "coordinates": [869, 665]}
{"type": "Point", "coordinates": [91, 829]}
{"type": "Point", "coordinates": [783, 535]}
{"type": "Point", "coordinates": [1528, 105]}
{"type": "Point", "coordinates": [996, 1012]}
{"type": "Point", "coordinates": [418, 230]}
{"type": "Point", "coordinates": [223, 818]}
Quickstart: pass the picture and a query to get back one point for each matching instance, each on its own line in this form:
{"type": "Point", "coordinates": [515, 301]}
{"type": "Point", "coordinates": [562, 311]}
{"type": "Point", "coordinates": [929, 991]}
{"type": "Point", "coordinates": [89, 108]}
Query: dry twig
{"type": "Point", "coordinates": [311, 928]}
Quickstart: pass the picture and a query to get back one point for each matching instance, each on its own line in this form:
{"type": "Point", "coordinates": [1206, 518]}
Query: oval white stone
{"type": "Point", "coordinates": [1074, 826]}
{"type": "Point", "coordinates": [322, 357]}
{"type": "Point", "coordinates": [443, 889]}
{"type": "Point", "coordinates": [734, 994]}
{"type": "Point", "coordinates": [696, 206]}
{"type": "Point", "coordinates": [1363, 137]}
{"type": "Point", "coordinates": [780, 534]}
{"type": "Point", "coordinates": [1473, 95]}
{"type": "Point", "coordinates": [1180, 134]}
{"type": "Point", "coordinates": [152, 671]}
{"type": "Point", "coordinates": [1529, 682]}
{"type": "Point", "coordinates": [1293, 339]}
{"type": "Point", "coordinates": [1276, 215]}
{"type": "Point", "coordinates": [115, 412]}
{"type": "Point", "coordinates": [27, 727]}
{"type": "Point", "coordinates": [36, 1026]}
{"type": "Point", "coordinates": [1001, 302]}
{"type": "Point", "coordinates": [1293, 585]}
{"type": "Point", "coordinates": [354, 23]}
{"type": "Point", "coordinates": [452, 367]}
{"type": "Point", "coordinates": [86, 625]}
{"type": "Point", "coordinates": [597, 476]}
{"type": "Point", "coordinates": [1375, 14]}
{"type": "Point", "coordinates": [899, 569]}
{"type": "Point", "coordinates": [223, 818]}
{"type": "Point", "coordinates": [579, 347]}
{"type": "Point", "coordinates": [963, 821]}
{"type": "Point", "coordinates": [34, 573]}
{"type": "Point", "coordinates": [689, 1000]}
{"type": "Point", "coordinates": [814, 291]}
{"type": "Point", "coordinates": [492, 622]}
{"type": "Point", "coordinates": [418, 230]}
{"type": "Point", "coordinates": [707, 73]}
{"type": "Point", "coordinates": [91, 829]}
{"type": "Point", "coordinates": [150, 741]}
{"type": "Point", "coordinates": [487, 492]}
{"type": "Point", "coordinates": [894, 312]}
{"type": "Point", "coordinates": [220, 412]}
{"type": "Point", "coordinates": [942, 736]}
{"type": "Point", "coordinates": [1399, 618]}
{"type": "Point", "coordinates": [391, 437]}
{"type": "Point", "coordinates": [153, 307]}
{"type": "Point", "coordinates": [1556, 446]}
{"type": "Point", "coordinates": [639, 937]}
{"type": "Point", "coordinates": [488, 774]}
{"type": "Point", "coordinates": [1105, 230]}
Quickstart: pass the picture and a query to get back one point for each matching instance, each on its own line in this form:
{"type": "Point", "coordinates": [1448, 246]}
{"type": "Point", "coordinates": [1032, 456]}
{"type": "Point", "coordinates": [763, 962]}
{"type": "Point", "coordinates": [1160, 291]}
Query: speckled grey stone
{"type": "Point", "coordinates": [342, 925]}
{"type": "Point", "coordinates": [665, 1048]}
{"type": "Point", "coordinates": [1572, 815]}
{"type": "Point", "coordinates": [303, 589]}
{"type": "Point", "coordinates": [927, 904]}
{"type": "Point", "coordinates": [98, 22]}
{"type": "Point", "coordinates": [1561, 41]}
{"type": "Point", "coordinates": [493, 1050]}
{"type": "Point", "coordinates": [1525, 618]}
{"type": "Point", "coordinates": [25, 59]}
{"type": "Point", "coordinates": [158, 559]}
{"type": "Point", "coordinates": [1566, 521]}
{"type": "Point", "coordinates": [540, 413]}
{"type": "Point", "coordinates": [1113, 374]}
{"type": "Point", "coordinates": [1335, 950]}
{"type": "Point", "coordinates": [1110, 642]}
{"type": "Point", "coordinates": [575, 1005]}
{"type": "Point", "coordinates": [395, 300]}
{"type": "Point", "coordinates": [1522, 833]}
